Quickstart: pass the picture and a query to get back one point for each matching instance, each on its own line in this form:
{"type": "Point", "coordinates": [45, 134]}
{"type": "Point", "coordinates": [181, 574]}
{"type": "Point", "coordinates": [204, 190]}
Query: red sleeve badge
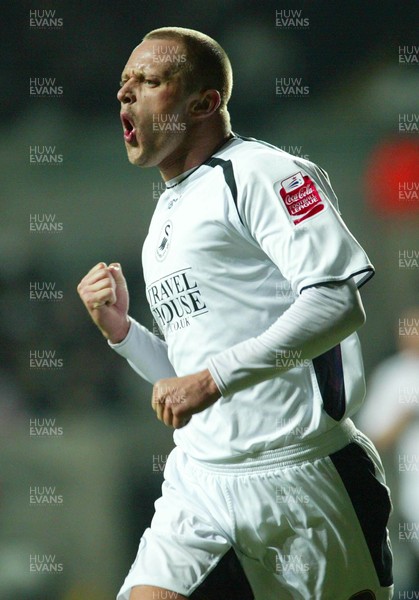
{"type": "Point", "coordinates": [301, 198]}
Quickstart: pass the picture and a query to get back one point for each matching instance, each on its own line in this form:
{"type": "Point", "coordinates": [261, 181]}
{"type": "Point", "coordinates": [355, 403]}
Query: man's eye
{"type": "Point", "coordinates": [148, 82]}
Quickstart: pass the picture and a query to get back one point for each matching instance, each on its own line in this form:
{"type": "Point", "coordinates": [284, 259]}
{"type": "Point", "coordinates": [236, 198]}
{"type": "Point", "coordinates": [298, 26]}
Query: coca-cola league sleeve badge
{"type": "Point", "coordinates": [301, 198]}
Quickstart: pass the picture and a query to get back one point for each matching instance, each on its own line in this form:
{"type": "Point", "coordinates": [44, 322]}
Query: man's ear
{"type": "Point", "coordinates": [205, 104]}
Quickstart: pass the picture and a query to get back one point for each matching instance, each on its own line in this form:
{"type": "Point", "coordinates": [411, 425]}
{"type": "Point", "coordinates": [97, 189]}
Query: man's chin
{"type": "Point", "coordinates": [137, 158]}
{"type": "Point", "coordinates": [141, 159]}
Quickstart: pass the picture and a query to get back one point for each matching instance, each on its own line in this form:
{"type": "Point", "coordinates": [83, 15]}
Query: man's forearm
{"type": "Point", "coordinates": [318, 320]}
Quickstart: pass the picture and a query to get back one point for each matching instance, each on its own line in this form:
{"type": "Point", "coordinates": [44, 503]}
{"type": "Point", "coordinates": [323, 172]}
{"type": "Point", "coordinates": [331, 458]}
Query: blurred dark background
{"type": "Point", "coordinates": [82, 425]}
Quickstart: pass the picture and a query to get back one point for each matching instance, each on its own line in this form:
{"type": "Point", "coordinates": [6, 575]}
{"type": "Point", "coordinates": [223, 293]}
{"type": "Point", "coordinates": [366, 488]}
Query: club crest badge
{"type": "Point", "coordinates": [164, 241]}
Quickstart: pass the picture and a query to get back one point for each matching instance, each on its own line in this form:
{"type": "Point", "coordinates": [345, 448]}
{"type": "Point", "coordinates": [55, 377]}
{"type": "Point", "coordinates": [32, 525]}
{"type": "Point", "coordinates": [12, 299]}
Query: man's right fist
{"type": "Point", "coordinates": [104, 293]}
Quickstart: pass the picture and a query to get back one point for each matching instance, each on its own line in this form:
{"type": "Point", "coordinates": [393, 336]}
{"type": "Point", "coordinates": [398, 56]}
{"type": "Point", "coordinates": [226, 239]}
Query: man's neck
{"type": "Point", "coordinates": [203, 146]}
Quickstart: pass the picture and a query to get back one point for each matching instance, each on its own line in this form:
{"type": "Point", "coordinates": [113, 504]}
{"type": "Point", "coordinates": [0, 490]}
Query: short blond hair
{"type": "Point", "coordinates": [207, 65]}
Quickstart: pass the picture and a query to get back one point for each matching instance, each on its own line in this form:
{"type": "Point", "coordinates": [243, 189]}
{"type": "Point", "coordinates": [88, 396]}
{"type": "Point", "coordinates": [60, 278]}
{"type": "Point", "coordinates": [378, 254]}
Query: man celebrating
{"type": "Point", "coordinates": [253, 279]}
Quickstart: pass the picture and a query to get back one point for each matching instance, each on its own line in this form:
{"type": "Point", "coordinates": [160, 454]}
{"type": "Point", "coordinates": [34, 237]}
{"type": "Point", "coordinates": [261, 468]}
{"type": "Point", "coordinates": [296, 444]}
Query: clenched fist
{"type": "Point", "coordinates": [176, 399]}
{"type": "Point", "coordinates": [104, 293]}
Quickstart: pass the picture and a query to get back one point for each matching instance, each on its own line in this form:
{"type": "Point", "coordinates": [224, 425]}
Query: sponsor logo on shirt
{"type": "Point", "coordinates": [175, 300]}
{"type": "Point", "coordinates": [164, 241]}
{"type": "Point", "coordinates": [293, 182]}
{"type": "Point", "coordinates": [301, 198]}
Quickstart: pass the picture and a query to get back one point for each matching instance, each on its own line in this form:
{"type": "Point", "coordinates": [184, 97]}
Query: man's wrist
{"type": "Point", "coordinates": [210, 386]}
{"type": "Point", "coordinates": [119, 336]}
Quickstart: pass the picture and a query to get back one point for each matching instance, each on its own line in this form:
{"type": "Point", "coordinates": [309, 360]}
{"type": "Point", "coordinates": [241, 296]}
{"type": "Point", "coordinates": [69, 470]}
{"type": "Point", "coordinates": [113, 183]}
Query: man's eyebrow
{"type": "Point", "coordinates": [132, 72]}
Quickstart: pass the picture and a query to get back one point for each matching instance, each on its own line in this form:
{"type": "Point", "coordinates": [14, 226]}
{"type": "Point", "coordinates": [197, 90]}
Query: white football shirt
{"type": "Point", "coordinates": [230, 246]}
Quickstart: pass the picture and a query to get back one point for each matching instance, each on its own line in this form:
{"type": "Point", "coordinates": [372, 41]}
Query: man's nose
{"type": "Point", "coordinates": [126, 95]}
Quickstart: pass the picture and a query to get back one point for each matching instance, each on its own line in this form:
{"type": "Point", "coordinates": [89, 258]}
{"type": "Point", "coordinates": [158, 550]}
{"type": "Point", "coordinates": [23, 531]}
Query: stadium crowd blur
{"type": "Point", "coordinates": [105, 452]}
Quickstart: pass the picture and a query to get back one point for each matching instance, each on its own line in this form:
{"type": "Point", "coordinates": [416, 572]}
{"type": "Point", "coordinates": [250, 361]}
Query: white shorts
{"type": "Point", "coordinates": [307, 522]}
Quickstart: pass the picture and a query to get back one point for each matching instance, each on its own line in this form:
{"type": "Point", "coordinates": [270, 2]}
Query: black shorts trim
{"type": "Point", "coordinates": [364, 595]}
{"type": "Point", "coordinates": [227, 580]}
{"type": "Point", "coordinates": [371, 503]}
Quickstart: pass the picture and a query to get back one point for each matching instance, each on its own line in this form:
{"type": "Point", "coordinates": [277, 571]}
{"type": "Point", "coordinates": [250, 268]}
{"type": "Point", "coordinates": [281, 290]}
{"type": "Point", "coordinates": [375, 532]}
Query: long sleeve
{"type": "Point", "coordinates": [145, 352]}
{"type": "Point", "coordinates": [320, 318]}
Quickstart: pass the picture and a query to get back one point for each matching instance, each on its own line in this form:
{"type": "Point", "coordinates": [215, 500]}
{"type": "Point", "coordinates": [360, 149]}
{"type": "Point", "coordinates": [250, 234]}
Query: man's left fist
{"type": "Point", "coordinates": [176, 399]}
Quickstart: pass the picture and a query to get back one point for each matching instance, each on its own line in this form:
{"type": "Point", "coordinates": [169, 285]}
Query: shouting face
{"type": "Point", "coordinates": [154, 104]}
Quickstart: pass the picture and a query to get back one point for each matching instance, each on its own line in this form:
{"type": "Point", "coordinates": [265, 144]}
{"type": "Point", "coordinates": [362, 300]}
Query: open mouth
{"type": "Point", "coordinates": [129, 129]}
